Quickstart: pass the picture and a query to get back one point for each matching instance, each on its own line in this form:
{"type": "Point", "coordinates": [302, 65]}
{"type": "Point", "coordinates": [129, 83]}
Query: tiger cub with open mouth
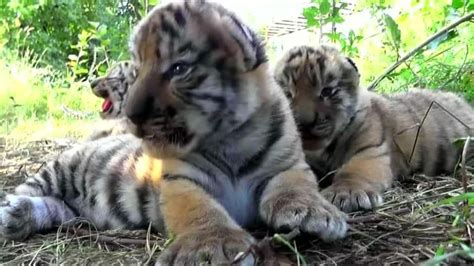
{"type": "Point", "coordinates": [366, 138]}
{"type": "Point", "coordinates": [113, 88]}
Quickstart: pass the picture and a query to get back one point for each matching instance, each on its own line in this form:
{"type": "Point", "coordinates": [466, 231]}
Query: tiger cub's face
{"type": "Point", "coordinates": [322, 86]}
{"type": "Point", "coordinates": [113, 88]}
{"type": "Point", "coordinates": [198, 73]}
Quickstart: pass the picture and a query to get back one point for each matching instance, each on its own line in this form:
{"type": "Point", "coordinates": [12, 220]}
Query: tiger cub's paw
{"type": "Point", "coordinates": [307, 211]}
{"type": "Point", "coordinates": [351, 197]}
{"type": "Point", "coordinates": [208, 247]}
{"type": "Point", "coordinates": [16, 217]}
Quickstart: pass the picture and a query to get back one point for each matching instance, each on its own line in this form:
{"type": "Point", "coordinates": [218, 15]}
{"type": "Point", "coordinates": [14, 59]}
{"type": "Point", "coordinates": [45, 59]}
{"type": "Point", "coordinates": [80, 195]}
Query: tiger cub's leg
{"type": "Point", "coordinates": [205, 231]}
{"type": "Point", "coordinates": [291, 200]}
{"type": "Point", "coordinates": [360, 182]}
{"type": "Point", "coordinates": [21, 216]}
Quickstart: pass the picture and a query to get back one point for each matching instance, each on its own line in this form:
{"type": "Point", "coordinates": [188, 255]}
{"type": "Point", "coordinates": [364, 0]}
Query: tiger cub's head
{"type": "Point", "coordinates": [113, 88]}
{"type": "Point", "coordinates": [200, 76]}
{"type": "Point", "coordinates": [323, 88]}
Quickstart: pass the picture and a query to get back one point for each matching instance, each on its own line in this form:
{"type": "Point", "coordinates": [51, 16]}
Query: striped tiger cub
{"type": "Point", "coordinates": [216, 149]}
{"type": "Point", "coordinates": [366, 138]}
{"type": "Point", "coordinates": [113, 88]}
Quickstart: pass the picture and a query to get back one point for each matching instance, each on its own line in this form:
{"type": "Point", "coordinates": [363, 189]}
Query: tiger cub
{"type": "Point", "coordinates": [113, 88]}
{"type": "Point", "coordinates": [217, 149]}
{"type": "Point", "coordinates": [366, 138]}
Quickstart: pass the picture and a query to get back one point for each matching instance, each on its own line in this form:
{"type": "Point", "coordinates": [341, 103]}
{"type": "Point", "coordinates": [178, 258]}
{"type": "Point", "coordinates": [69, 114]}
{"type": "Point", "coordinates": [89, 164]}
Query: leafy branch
{"type": "Point", "coordinates": [417, 49]}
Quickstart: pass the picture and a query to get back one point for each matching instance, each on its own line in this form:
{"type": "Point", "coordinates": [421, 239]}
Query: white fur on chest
{"type": "Point", "coordinates": [239, 201]}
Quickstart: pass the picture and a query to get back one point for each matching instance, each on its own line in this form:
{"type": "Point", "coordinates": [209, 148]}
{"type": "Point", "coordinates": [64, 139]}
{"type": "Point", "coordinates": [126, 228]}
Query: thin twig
{"type": "Point", "coordinates": [423, 121]}
{"type": "Point", "coordinates": [464, 176]}
{"type": "Point", "coordinates": [438, 54]}
{"type": "Point", "coordinates": [415, 50]}
{"type": "Point", "coordinates": [79, 232]}
{"type": "Point", "coordinates": [458, 73]}
{"type": "Point", "coordinates": [464, 179]}
{"type": "Point", "coordinates": [376, 216]}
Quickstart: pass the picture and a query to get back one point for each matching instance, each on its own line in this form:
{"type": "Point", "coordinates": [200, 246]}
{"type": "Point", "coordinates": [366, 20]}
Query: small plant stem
{"type": "Point", "coordinates": [415, 50]}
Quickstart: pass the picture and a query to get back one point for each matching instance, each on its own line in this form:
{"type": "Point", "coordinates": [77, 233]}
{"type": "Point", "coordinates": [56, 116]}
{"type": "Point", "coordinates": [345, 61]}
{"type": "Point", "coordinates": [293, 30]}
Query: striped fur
{"type": "Point", "coordinates": [113, 88]}
{"type": "Point", "coordinates": [366, 138]}
{"type": "Point", "coordinates": [218, 148]}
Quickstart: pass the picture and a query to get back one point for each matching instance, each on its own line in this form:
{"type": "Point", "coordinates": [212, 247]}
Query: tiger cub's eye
{"type": "Point", "coordinates": [178, 69]}
{"type": "Point", "coordinates": [289, 95]}
{"type": "Point", "coordinates": [327, 92]}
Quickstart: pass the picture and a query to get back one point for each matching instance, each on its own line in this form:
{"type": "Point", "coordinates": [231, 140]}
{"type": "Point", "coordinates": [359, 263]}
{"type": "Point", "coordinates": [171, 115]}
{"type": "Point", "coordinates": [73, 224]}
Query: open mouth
{"type": "Point", "coordinates": [107, 105]}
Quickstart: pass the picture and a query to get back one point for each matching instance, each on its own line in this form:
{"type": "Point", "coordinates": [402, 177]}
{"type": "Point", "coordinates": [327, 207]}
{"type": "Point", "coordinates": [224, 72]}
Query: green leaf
{"type": "Point", "coordinates": [459, 142]}
{"type": "Point", "coordinates": [394, 31]}
{"type": "Point", "coordinates": [459, 198]}
{"type": "Point", "coordinates": [338, 18]}
{"type": "Point", "coordinates": [325, 7]}
{"type": "Point", "coordinates": [406, 74]}
{"type": "Point", "coordinates": [470, 6]}
{"type": "Point", "coordinates": [440, 250]}
{"type": "Point", "coordinates": [82, 71]}
{"type": "Point", "coordinates": [351, 34]}
{"type": "Point", "coordinates": [310, 14]}
{"type": "Point", "coordinates": [457, 4]}
{"type": "Point", "coordinates": [334, 36]}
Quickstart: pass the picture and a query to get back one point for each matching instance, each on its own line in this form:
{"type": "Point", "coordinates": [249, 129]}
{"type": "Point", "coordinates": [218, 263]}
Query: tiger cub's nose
{"type": "Point", "coordinates": [138, 114]}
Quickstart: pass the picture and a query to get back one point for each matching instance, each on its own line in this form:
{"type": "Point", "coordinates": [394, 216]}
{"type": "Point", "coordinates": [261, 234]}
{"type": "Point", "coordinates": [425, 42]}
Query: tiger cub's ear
{"type": "Point", "coordinates": [244, 49]}
{"type": "Point", "coordinates": [353, 64]}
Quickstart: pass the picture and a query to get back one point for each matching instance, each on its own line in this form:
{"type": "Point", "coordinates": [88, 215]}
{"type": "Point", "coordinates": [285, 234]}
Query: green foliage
{"type": "Point", "coordinates": [86, 32]}
{"type": "Point", "coordinates": [462, 217]}
{"type": "Point", "coordinates": [393, 30]}
{"type": "Point", "coordinates": [31, 93]}
{"type": "Point", "coordinates": [323, 13]}
{"type": "Point", "coordinates": [442, 256]}
{"type": "Point", "coordinates": [49, 49]}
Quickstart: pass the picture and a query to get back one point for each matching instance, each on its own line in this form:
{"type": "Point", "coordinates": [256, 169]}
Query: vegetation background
{"type": "Point", "coordinates": [50, 50]}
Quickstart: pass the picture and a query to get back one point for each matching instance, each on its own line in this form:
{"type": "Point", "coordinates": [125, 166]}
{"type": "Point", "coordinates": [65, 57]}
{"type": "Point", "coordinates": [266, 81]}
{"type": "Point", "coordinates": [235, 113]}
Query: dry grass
{"type": "Point", "coordinates": [407, 229]}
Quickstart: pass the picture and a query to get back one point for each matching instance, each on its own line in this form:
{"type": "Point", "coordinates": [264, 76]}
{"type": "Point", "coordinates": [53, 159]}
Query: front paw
{"type": "Point", "coordinates": [16, 217]}
{"type": "Point", "coordinates": [305, 210]}
{"type": "Point", "coordinates": [352, 197]}
{"type": "Point", "coordinates": [208, 246]}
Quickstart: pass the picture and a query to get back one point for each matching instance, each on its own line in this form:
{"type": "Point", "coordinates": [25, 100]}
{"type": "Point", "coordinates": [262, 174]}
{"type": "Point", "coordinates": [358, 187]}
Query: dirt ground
{"type": "Point", "coordinates": [408, 229]}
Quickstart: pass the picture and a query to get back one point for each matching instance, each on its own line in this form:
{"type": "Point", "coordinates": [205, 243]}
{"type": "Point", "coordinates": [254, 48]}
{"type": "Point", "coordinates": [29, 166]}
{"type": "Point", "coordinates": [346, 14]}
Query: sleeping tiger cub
{"type": "Point", "coordinates": [217, 149]}
{"type": "Point", "coordinates": [113, 88]}
{"type": "Point", "coordinates": [367, 139]}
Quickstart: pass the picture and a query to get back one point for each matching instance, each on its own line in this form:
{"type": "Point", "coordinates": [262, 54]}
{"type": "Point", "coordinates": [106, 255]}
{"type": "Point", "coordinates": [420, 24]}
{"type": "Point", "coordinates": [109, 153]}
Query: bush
{"type": "Point", "coordinates": [82, 33]}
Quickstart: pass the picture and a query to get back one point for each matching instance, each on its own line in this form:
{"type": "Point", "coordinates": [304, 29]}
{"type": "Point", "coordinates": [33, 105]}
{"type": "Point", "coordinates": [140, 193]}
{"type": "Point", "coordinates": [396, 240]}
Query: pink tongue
{"type": "Point", "coordinates": [106, 105]}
